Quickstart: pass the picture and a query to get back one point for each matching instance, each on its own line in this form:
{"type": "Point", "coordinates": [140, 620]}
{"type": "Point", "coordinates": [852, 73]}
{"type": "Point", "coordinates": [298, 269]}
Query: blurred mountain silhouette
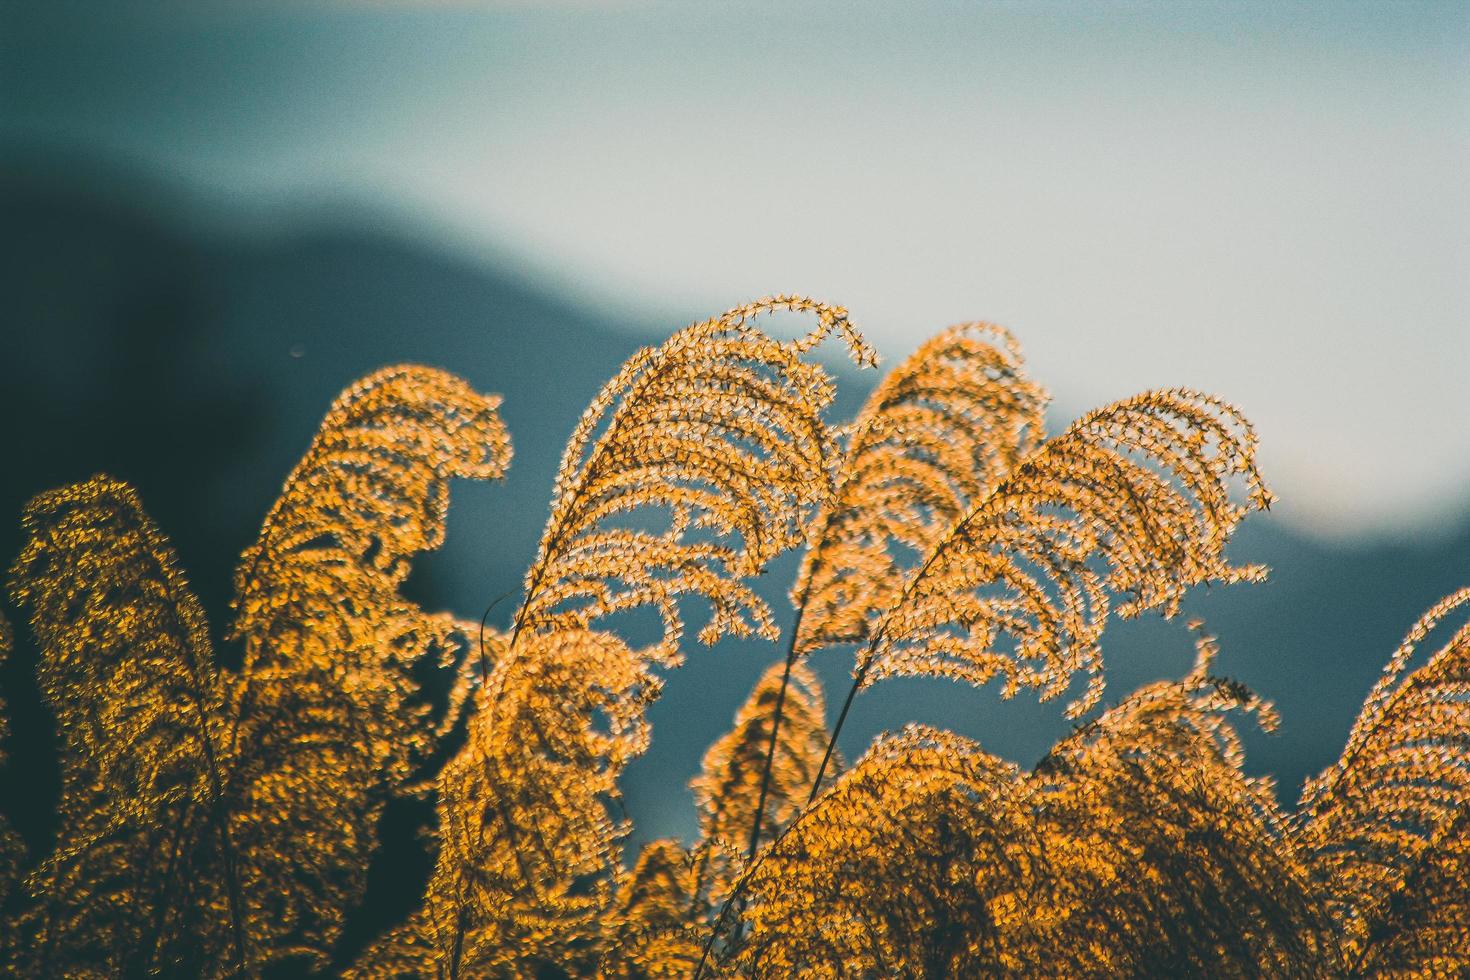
{"type": "Point", "coordinates": [194, 358]}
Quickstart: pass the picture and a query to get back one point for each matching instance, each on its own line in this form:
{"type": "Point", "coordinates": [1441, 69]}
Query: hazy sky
{"type": "Point", "coordinates": [1267, 201]}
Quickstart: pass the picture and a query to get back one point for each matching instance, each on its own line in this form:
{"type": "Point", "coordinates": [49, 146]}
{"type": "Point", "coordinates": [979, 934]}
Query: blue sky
{"type": "Point", "coordinates": [1264, 200]}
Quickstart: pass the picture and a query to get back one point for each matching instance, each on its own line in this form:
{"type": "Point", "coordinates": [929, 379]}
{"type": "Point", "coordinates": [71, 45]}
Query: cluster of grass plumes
{"type": "Point", "coordinates": [219, 822]}
{"type": "Point", "coordinates": [214, 822]}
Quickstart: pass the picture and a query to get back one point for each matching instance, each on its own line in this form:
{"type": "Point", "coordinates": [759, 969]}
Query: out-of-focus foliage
{"type": "Point", "coordinates": [327, 716]}
{"type": "Point", "coordinates": [12, 848]}
{"type": "Point", "coordinates": [735, 780]}
{"type": "Point", "coordinates": [663, 908]}
{"type": "Point", "coordinates": [657, 926]}
{"type": "Point", "coordinates": [220, 822]}
{"type": "Point", "coordinates": [212, 824]}
{"type": "Point", "coordinates": [529, 846]}
{"type": "Point", "coordinates": [144, 876]}
{"type": "Point", "coordinates": [1386, 831]}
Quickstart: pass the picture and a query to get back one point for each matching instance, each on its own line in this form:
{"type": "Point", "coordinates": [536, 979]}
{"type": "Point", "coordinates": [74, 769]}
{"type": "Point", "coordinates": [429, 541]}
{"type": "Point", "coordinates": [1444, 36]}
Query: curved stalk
{"type": "Point", "coordinates": [760, 806]}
